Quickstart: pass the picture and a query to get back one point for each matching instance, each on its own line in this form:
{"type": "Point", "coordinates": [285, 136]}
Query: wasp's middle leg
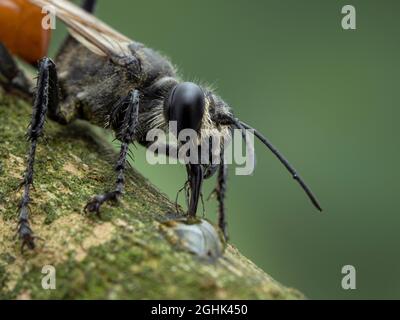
{"type": "Point", "coordinates": [125, 118]}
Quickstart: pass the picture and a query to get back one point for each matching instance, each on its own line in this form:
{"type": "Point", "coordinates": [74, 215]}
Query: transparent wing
{"type": "Point", "coordinates": [87, 29]}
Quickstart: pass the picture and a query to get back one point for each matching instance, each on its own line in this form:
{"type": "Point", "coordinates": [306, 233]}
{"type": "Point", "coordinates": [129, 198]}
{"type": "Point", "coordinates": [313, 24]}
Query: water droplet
{"type": "Point", "coordinates": [198, 236]}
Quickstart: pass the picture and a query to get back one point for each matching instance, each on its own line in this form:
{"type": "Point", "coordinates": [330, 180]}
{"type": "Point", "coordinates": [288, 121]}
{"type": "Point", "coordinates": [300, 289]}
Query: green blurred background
{"type": "Point", "coordinates": [328, 98]}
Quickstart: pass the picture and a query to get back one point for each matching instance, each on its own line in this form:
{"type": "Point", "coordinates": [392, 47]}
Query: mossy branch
{"type": "Point", "coordinates": [125, 254]}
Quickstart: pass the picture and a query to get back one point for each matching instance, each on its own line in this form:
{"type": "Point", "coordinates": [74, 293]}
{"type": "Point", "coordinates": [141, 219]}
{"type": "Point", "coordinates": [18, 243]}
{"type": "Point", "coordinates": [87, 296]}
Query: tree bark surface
{"type": "Point", "coordinates": [130, 252]}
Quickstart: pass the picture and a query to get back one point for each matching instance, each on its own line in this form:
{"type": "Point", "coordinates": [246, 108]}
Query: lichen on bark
{"type": "Point", "coordinates": [126, 253]}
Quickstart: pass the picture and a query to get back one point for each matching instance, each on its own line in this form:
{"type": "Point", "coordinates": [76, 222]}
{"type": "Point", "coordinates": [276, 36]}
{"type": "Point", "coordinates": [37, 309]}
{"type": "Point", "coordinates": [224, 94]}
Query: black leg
{"type": "Point", "coordinates": [220, 191]}
{"type": "Point", "coordinates": [12, 78]}
{"type": "Point", "coordinates": [124, 121]}
{"type": "Point", "coordinates": [46, 98]}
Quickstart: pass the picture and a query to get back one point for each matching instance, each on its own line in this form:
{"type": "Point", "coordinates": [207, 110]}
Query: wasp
{"type": "Point", "coordinates": [104, 77]}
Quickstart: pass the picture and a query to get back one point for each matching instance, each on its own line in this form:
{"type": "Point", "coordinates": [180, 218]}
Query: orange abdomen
{"type": "Point", "coordinates": [21, 29]}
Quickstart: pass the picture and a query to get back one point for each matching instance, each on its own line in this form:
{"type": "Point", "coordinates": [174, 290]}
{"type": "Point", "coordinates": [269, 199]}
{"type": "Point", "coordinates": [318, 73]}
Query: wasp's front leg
{"type": "Point", "coordinates": [124, 120]}
{"type": "Point", "coordinates": [46, 100]}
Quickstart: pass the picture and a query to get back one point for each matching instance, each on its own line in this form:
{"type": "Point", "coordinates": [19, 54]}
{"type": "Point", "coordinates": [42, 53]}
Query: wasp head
{"type": "Point", "coordinates": [196, 108]}
{"type": "Point", "coordinates": [186, 105]}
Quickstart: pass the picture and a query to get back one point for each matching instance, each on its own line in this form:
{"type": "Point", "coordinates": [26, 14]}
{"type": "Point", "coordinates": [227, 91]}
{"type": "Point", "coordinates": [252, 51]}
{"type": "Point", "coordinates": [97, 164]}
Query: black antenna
{"type": "Point", "coordinates": [241, 125]}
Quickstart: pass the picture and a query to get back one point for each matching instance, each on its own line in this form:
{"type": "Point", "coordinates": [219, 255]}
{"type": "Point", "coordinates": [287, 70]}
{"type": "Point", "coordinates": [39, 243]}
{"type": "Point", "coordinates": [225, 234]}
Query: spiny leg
{"type": "Point", "coordinates": [124, 120]}
{"type": "Point", "coordinates": [12, 78]}
{"type": "Point", "coordinates": [46, 98]}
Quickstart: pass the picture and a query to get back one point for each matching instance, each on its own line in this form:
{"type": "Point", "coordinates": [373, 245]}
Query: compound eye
{"type": "Point", "coordinates": [186, 106]}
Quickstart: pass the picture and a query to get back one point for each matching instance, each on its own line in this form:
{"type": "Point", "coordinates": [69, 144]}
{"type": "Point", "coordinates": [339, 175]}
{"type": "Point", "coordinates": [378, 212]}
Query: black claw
{"type": "Point", "coordinates": [93, 206]}
{"type": "Point", "coordinates": [26, 236]}
{"type": "Point", "coordinates": [28, 242]}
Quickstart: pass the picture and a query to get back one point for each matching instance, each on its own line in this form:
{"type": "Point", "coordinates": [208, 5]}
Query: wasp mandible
{"type": "Point", "coordinates": [104, 77]}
